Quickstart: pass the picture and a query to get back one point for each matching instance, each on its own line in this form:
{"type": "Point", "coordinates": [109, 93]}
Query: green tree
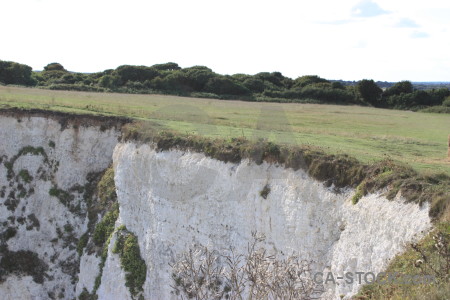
{"type": "Point", "coordinates": [225, 86]}
{"type": "Point", "coordinates": [185, 80]}
{"type": "Point", "coordinates": [303, 81]}
{"type": "Point", "coordinates": [402, 87]}
{"type": "Point", "coordinates": [54, 67]}
{"type": "Point", "coordinates": [15, 73]}
{"type": "Point", "coordinates": [276, 78]}
{"type": "Point", "coordinates": [369, 91]}
{"type": "Point", "coordinates": [255, 85]}
{"type": "Point", "coordinates": [170, 66]}
{"type": "Point", "coordinates": [135, 73]}
{"type": "Point", "coordinates": [337, 85]}
{"type": "Point", "coordinates": [446, 102]}
{"type": "Point", "coordinates": [109, 81]}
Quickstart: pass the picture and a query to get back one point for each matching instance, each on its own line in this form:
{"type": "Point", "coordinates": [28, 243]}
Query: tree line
{"type": "Point", "coordinates": [201, 81]}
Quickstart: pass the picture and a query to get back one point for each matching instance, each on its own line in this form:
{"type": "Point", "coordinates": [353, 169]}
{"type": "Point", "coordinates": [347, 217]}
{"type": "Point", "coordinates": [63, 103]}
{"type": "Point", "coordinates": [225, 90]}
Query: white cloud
{"type": "Point", "coordinates": [367, 8]}
{"type": "Point", "coordinates": [419, 35]}
{"type": "Point", "coordinates": [407, 23]}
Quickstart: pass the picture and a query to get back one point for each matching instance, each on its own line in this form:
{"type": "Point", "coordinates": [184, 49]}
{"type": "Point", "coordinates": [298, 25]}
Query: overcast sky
{"type": "Point", "coordinates": [347, 39]}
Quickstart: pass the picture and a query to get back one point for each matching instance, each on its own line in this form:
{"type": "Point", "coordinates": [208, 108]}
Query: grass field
{"type": "Point", "coordinates": [369, 134]}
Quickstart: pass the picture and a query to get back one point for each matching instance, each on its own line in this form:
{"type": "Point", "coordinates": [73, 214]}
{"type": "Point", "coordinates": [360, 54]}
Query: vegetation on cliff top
{"type": "Point", "coordinates": [339, 170]}
{"type": "Point", "coordinates": [365, 133]}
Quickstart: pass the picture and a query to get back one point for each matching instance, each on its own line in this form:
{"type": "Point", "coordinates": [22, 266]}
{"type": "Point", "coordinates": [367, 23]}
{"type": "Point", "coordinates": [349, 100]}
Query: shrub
{"type": "Point", "coordinates": [54, 67]}
{"type": "Point", "coordinates": [106, 226]}
{"type": "Point", "coordinates": [358, 194]}
{"type": "Point", "coordinates": [128, 73]}
{"type": "Point", "coordinates": [437, 109]}
{"type": "Point", "coordinates": [23, 263]}
{"type": "Point", "coordinates": [265, 191]}
{"type": "Point", "coordinates": [306, 80]}
{"type": "Point", "coordinates": [82, 243]}
{"type": "Point", "coordinates": [15, 73]}
{"type": "Point", "coordinates": [202, 273]}
{"type": "Point", "coordinates": [224, 85]}
{"type": "Point", "coordinates": [25, 175]}
{"type": "Point", "coordinates": [130, 258]}
{"type": "Point", "coordinates": [106, 187]}
{"type": "Point", "coordinates": [446, 102]}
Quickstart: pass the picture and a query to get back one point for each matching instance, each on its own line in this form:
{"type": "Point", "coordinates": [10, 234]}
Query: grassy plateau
{"type": "Point", "coordinates": [366, 133]}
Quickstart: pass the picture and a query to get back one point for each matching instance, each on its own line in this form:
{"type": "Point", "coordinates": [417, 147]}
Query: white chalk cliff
{"type": "Point", "coordinates": [171, 200]}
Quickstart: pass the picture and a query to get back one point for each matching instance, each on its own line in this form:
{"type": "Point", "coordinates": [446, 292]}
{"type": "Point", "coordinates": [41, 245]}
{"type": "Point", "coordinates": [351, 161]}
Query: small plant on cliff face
{"type": "Point", "coordinates": [130, 258]}
{"type": "Point", "coordinates": [85, 295]}
{"type": "Point", "coordinates": [23, 263]}
{"type": "Point", "coordinates": [102, 236]}
{"type": "Point", "coordinates": [106, 187]}
{"type": "Point", "coordinates": [265, 191]}
{"type": "Point", "coordinates": [82, 242]}
{"type": "Point", "coordinates": [106, 226]}
{"type": "Point", "coordinates": [358, 195]}
{"type": "Point", "coordinates": [25, 175]}
{"type": "Point", "coordinates": [60, 194]}
{"type": "Point", "coordinates": [68, 228]}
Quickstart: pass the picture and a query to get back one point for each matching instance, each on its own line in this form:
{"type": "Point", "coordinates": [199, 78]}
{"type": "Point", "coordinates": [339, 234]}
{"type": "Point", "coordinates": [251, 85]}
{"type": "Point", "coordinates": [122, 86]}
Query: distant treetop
{"type": "Point", "coordinates": [54, 67]}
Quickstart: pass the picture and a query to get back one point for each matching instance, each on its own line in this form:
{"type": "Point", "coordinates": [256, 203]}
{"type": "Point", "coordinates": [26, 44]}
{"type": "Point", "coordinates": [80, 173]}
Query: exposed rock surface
{"type": "Point", "coordinates": [219, 204]}
{"type": "Point", "coordinates": [45, 167]}
{"type": "Point", "coordinates": [171, 200]}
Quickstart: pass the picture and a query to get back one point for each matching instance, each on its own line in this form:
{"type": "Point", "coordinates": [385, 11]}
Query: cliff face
{"type": "Point", "coordinates": [169, 201]}
{"type": "Point", "coordinates": [44, 176]}
{"type": "Point", "coordinates": [172, 200]}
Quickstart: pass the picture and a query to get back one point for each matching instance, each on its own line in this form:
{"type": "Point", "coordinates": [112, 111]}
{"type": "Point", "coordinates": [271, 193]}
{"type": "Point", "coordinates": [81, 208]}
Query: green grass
{"type": "Point", "coordinates": [368, 134]}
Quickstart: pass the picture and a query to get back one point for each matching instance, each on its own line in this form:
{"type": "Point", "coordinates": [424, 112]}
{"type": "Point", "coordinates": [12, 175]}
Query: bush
{"type": "Point", "coordinates": [23, 263]}
{"type": "Point", "coordinates": [130, 258]}
{"type": "Point", "coordinates": [275, 78]}
{"type": "Point", "coordinates": [303, 81]}
{"type": "Point", "coordinates": [106, 187]}
{"type": "Point", "coordinates": [15, 73]}
{"type": "Point", "coordinates": [75, 87]}
{"type": "Point", "coordinates": [135, 73]}
{"type": "Point", "coordinates": [402, 87]}
{"type": "Point", "coordinates": [54, 67]}
{"type": "Point", "coordinates": [105, 228]}
{"type": "Point", "coordinates": [317, 92]}
{"type": "Point", "coordinates": [446, 102]}
{"type": "Point", "coordinates": [109, 81]}
{"type": "Point", "coordinates": [255, 85]}
{"type": "Point", "coordinates": [437, 109]}
{"type": "Point", "coordinates": [225, 86]}
{"type": "Point", "coordinates": [25, 175]}
{"type": "Point", "coordinates": [203, 273]}
{"type": "Point", "coordinates": [370, 92]}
